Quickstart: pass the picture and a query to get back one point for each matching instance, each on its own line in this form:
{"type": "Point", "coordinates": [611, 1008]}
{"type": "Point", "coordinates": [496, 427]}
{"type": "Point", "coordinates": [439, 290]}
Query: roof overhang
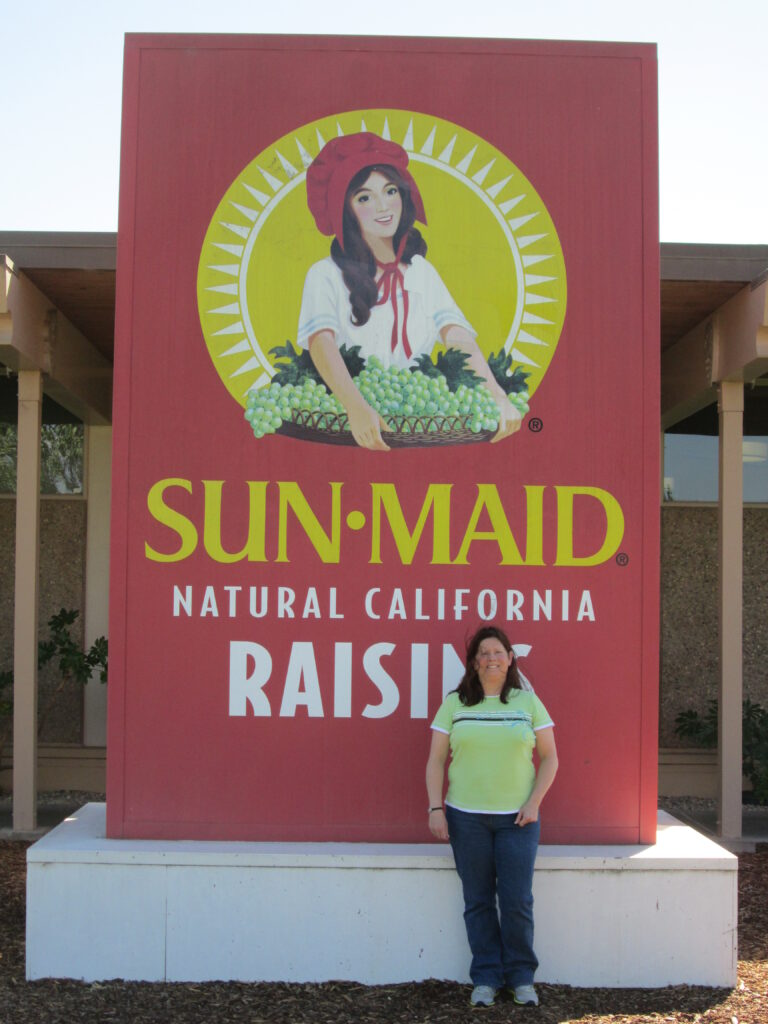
{"type": "Point", "coordinates": [75, 272]}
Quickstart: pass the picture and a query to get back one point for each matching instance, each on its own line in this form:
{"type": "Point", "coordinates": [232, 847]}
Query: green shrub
{"type": "Point", "coordinates": [74, 664]}
{"type": "Point", "coordinates": [701, 730]}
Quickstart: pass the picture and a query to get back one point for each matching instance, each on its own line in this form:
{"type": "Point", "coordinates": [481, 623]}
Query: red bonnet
{"type": "Point", "coordinates": [334, 167]}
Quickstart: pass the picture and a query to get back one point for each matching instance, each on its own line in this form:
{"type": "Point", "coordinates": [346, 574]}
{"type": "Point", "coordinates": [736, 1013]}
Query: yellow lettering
{"type": "Point", "coordinates": [437, 500]}
{"type": "Point", "coordinates": [172, 519]}
{"type": "Point", "coordinates": [254, 549]}
{"type": "Point", "coordinates": [614, 526]}
{"type": "Point", "coordinates": [327, 547]}
{"type": "Point", "coordinates": [534, 532]}
{"type": "Point", "coordinates": [488, 500]}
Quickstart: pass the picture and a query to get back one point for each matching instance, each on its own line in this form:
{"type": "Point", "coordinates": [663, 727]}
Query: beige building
{"type": "Point", "coordinates": [56, 355]}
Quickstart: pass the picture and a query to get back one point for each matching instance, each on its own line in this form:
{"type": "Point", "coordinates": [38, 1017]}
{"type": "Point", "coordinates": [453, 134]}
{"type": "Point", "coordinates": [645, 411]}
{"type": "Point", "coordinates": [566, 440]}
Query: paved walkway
{"type": "Point", "coordinates": [51, 811]}
{"type": "Point", "coordinates": [701, 814]}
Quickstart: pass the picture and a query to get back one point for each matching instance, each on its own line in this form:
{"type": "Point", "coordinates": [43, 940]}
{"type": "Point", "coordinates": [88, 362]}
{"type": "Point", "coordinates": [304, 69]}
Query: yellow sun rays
{"type": "Point", "coordinates": [230, 245]}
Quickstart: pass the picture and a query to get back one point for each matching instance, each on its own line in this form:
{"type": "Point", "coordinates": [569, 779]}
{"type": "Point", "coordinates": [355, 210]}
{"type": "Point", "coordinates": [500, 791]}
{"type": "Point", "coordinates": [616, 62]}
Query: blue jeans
{"type": "Point", "coordinates": [495, 858]}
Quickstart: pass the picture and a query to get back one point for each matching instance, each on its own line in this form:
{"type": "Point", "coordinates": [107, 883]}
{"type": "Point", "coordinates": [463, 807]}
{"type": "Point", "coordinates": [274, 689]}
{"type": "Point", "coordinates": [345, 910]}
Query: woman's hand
{"type": "Point", "coordinates": [528, 812]}
{"type": "Point", "coordinates": [510, 418]}
{"type": "Point", "coordinates": [438, 826]}
{"type": "Point", "coordinates": [547, 752]}
{"type": "Point", "coordinates": [366, 424]}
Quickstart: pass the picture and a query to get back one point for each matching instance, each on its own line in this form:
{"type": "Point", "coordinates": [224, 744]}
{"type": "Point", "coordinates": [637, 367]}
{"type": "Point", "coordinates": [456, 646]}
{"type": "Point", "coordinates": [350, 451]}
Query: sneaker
{"type": "Point", "coordinates": [483, 995]}
{"type": "Point", "coordinates": [525, 995]}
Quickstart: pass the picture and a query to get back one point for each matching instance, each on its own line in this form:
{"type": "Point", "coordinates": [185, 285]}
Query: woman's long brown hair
{"type": "Point", "coordinates": [470, 689]}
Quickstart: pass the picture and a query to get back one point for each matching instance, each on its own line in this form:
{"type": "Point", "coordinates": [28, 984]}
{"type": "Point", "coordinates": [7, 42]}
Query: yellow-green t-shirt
{"type": "Point", "coordinates": [491, 768]}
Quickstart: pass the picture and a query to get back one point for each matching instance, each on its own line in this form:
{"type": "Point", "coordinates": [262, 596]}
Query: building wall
{"type": "Point", "coordinates": [689, 610]}
{"type": "Point", "coordinates": [62, 568]}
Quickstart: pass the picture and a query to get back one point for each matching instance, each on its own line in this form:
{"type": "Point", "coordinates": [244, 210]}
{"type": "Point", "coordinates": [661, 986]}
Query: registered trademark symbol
{"type": "Point", "coordinates": [622, 558]}
{"type": "Point", "coordinates": [535, 425]}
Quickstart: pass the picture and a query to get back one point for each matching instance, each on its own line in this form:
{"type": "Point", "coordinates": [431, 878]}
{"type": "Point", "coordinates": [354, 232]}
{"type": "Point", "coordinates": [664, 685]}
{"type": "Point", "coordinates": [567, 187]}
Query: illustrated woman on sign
{"type": "Point", "coordinates": [376, 289]}
{"type": "Point", "coordinates": [489, 727]}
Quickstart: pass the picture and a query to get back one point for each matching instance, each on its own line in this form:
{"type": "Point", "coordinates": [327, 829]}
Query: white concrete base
{"type": "Point", "coordinates": [613, 916]}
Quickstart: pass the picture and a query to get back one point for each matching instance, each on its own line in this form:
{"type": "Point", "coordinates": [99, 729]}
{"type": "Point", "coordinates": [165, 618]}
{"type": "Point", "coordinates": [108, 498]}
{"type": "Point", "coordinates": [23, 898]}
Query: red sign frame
{"type": "Point", "coordinates": [580, 122]}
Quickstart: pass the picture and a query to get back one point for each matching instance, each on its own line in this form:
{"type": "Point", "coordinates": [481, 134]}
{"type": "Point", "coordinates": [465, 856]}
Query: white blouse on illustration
{"type": "Point", "coordinates": [325, 305]}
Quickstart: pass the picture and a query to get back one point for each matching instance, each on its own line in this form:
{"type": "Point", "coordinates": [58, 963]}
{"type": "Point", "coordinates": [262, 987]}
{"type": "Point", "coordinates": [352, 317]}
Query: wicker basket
{"type": "Point", "coordinates": [423, 431]}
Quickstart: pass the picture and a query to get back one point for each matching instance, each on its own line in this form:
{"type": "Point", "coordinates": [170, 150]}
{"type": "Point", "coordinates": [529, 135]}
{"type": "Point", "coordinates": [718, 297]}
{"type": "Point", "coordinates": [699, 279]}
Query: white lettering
{"type": "Point", "coordinates": [251, 668]}
{"type": "Point", "coordinates": [419, 680]}
{"type": "Point", "coordinates": [514, 605]}
{"type": "Point", "coordinates": [342, 681]}
{"type": "Point", "coordinates": [245, 688]}
{"type": "Point", "coordinates": [542, 605]}
{"type": "Point", "coordinates": [285, 599]}
{"type": "Point", "coordinates": [311, 605]}
{"type": "Point", "coordinates": [397, 605]}
{"type": "Point", "coordinates": [180, 602]}
{"type": "Point", "coordinates": [586, 610]}
{"type": "Point", "coordinates": [302, 666]}
{"type": "Point", "coordinates": [487, 605]}
{"type": "Point", "coordinates": [258, 611]}
{"type": "Point", "coordinates": [458, 604]}
{"type": "Point", "coordinates": [209, 606]}
{"type": "Point", "coordinates": [233, 592]}
{"type": "Point", "coordinates": [369, 603]}
{"type": "Point", "coordinates": [390, 695]}
{"type": "Point", "coordinates": [332, 613]}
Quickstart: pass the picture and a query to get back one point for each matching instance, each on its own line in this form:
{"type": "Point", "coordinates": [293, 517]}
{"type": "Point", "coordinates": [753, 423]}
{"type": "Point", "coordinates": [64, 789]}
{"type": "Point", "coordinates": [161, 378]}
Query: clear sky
{"type": "Point", "coordinates": [62, 66]}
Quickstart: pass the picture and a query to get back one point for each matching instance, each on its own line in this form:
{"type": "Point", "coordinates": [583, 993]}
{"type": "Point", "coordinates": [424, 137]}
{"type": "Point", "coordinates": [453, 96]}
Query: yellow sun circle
{"type": "Point", "coordinates": [489, 234]}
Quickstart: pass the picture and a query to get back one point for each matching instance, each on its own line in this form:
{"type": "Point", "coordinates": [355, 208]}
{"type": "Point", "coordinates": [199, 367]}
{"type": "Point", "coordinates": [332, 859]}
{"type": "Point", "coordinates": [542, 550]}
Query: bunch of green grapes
{"type": "Point", "coordinates": [411, 401]}
{"type": "Point", "coordinates": [268, 408]}
{"type": "Point", "coordinates": [520, 401]}
{"type": "Point", "coordinates": [401, 392]}
{"type": "Point", "coordinates": [414, 401]}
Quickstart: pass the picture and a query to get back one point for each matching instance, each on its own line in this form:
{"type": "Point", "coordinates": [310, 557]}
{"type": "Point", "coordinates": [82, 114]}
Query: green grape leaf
{"type": "Point", "coordinates": [500, 364]}
{"type": "Point", "coordinates": [353, 361]}
{"type": "Point", "coordinates": [452, 364]}
{"type": "Point", "coordinates": [293, 365]}
{"type": "Point", "coordinates": [425, 364]}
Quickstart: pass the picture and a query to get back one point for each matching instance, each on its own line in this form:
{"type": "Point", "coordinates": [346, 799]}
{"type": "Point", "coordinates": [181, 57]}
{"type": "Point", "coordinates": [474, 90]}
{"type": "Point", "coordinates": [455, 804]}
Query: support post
{"type": "Point", "coordinates": [26, 602]}
{"type": "Point", "coordinates": [98, 480]}
{"type": "Point", "coordinates": [730, 535]}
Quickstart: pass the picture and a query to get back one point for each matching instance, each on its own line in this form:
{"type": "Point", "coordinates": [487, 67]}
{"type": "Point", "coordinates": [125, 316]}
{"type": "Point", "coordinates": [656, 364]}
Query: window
{"type": "Point", "coordinates": [691, 452]}
{"type": "Point", "coordinates": [690, 467]}
{"type": "Point", "coordinates": [62, 445]}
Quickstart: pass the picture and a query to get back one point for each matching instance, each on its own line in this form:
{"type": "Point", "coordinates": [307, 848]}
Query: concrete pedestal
{"type": "Point", "coordinates": [613, 916]}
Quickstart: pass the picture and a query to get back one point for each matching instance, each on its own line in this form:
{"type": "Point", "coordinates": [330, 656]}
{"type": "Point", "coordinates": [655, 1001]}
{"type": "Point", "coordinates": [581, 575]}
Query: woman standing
{"type": "Point", "coordinates": [376, 289]}
{"type": "Point", "coordinates": [490, 726]}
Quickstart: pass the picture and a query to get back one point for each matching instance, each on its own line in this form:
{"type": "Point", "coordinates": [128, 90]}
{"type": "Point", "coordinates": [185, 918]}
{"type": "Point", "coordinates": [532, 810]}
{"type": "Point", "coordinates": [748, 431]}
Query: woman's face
{"type": "Point", "coordinates": [377, 206]}
{"type": "Point", "coordinates": [492, 661]}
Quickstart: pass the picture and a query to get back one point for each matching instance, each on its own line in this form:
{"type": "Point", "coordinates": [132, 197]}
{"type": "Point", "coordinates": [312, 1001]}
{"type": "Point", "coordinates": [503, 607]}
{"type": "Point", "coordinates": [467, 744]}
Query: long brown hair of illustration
{"type": "Point", "coordinates": [356, 261]}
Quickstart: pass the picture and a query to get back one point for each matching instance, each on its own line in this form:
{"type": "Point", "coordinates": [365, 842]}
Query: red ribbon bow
{"type": "Point", "coordinates": [391, 278]}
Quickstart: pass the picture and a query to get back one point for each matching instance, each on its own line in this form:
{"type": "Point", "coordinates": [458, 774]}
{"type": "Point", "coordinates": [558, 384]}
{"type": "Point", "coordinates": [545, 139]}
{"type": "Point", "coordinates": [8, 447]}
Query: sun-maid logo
{"type": "Point", "coordinates": [494, 272]}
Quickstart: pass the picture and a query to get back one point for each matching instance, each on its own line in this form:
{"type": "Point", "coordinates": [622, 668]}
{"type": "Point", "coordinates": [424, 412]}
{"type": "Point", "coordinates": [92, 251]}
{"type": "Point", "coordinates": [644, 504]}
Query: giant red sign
{"type": "Point", "coordinates": [312, 509]}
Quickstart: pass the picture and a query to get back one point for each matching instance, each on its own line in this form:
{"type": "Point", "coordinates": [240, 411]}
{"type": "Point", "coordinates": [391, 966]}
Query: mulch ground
{"type": "Point", "coordinates": [429, 1002]}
